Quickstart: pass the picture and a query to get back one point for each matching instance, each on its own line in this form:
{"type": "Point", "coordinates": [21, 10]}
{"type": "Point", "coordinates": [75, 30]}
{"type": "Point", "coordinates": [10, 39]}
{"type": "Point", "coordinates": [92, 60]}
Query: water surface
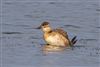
{"type": "Point", "coordinates": [22, 44]}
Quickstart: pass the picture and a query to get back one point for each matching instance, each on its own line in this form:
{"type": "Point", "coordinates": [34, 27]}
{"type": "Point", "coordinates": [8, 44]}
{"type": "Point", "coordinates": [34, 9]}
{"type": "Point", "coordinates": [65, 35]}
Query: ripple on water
{"type": "Point", "coordinates": [28, 16]}
{"type": "Point", "coordinates": [8, 3]}
{"type": "Point", "coordinates": [85, 41]}
{"type": "Point", "coordinates": [73, 26]}
{"type": "Point", "coordinates": [12, 33]}
{"type": "Point", "coordinates": [97, 9]}
{"type": "Point", "coordinates": [52, 2]}
{"type": "Point", "coordinates": [34, 37]}
{"type": "Point", "coordinates": [98, 27]}
{"type": "Point", "coordinates": [16, 25]}
{"type": "Point", "coordinates": [88, 40]}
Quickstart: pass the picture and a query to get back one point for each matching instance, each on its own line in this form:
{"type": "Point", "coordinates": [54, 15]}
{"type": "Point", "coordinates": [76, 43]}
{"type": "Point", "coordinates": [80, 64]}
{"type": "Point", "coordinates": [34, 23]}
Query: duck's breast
{"type": "Point", "coordinates": [57, 40]}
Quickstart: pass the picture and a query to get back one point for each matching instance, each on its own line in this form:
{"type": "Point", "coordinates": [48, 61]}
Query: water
{"type": "Point", "coordinates": [21, 43]}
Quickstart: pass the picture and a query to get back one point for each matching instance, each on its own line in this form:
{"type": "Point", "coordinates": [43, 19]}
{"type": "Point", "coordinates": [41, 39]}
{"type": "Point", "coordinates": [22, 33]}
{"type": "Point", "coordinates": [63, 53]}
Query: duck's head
{"type": "Point", "coordinates": [45, 27]}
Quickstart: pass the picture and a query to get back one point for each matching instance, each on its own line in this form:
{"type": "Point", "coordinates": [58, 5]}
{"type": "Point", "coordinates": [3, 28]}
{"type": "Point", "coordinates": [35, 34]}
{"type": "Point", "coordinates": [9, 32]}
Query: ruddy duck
{"type": "Point", "coordinates": [55, 38]}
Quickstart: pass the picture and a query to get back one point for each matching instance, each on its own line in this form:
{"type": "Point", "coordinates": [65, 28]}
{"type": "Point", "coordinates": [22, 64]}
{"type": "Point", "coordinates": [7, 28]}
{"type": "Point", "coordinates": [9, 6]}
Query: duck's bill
{"type": "Point", "coordinates": [38, 27]}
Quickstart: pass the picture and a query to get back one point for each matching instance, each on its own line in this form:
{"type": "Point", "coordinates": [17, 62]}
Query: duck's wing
{"type": "Point", "coordinates": [62, 32]}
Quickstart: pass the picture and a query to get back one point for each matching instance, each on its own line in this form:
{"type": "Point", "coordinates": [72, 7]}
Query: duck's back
{"type": "Point", "coordinates": [62, 32]}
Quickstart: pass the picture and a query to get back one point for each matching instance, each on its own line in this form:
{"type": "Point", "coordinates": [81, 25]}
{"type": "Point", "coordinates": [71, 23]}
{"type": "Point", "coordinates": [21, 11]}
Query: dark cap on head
{"type": "Point", "coordinates": [44, 23]}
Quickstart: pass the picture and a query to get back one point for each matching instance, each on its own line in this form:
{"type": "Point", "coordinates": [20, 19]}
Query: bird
{"type": "Point", "coordinates": [56, 38]}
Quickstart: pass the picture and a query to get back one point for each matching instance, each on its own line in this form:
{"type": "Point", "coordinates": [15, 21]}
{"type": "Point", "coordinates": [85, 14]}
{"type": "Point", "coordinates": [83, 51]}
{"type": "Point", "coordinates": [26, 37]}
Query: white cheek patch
{"type": "Point", "coordinates": [46, 29]}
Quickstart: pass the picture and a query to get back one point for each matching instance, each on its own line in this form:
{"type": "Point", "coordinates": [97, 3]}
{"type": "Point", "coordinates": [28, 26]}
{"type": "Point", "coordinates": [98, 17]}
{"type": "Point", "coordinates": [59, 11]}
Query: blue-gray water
{"type": "Point", "coordinates": [21, 43]}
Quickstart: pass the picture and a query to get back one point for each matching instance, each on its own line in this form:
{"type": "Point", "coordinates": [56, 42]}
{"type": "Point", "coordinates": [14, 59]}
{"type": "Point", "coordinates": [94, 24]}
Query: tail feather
{"type": "Point", "coordinates": [74, 40]}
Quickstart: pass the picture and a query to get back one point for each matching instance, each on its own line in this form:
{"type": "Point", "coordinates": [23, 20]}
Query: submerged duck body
{"type": "Point", "coordinates": [55, 38]}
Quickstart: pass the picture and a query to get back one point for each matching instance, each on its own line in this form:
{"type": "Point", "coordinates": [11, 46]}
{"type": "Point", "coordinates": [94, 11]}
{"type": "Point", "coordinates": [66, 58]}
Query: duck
{"type": "Point", "coordinates": [56, 39]}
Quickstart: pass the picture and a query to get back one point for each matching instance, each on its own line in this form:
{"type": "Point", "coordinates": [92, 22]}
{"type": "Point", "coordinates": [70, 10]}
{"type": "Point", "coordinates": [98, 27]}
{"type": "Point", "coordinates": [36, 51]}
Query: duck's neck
{"type": "Point", "coordinates": [48, 31]}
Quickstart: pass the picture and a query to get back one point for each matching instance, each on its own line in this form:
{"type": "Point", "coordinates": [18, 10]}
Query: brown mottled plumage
{"type": "Point", "coordinates": [56, 37]}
